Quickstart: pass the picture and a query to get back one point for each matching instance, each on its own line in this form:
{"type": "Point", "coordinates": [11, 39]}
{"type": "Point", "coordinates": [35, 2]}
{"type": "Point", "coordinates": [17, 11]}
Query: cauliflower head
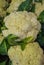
{"type": "Point", "coordinates": [22, 24]}
{"type": "Point", "coordinates": [14, 5]}
{"type": "Point", "coordinates": [39, 8]}
{"type": "Point", "coordinates": [31, 55]}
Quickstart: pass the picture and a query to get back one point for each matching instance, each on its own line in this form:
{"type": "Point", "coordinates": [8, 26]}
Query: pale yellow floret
{"type": "Point", "coordinates": [2, 4]}
{"type": "Point", "coordinates": [22, 24]}
{"type": "Point", "coordinates": [2, 12]}
{"type": "Point", "coordinates": [14, 5]}
{"type": "Point", "coordinates": [31, 55]}
{"type": "Point", "coordinates": [39, 8]}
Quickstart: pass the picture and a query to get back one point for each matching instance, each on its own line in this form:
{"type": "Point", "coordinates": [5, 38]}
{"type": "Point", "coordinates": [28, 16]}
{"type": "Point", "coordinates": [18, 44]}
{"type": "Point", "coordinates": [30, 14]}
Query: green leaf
{"type": "Point", "coordinates": [26, 5]}
{"type": "Point", "coordinates": [10, 62]}
{"type": "Point", "coordinates": [42, 29]}
{"type": "Point", "coordinates": [23, 46]}
{"type": "Point", "coordinates": [12, 39]}
{"type": "Point", "coordinates": [7, 13]}
{"type": "Point", "coordinates": [11, 36]}
{"type": "Point", "coordinates": [24, 42]}
{"type": "Point", "coordinates": [3, 48]}
{"type": "Point", "coordinates": [41, 17]}
{"type": "Point", "coordinates": [7, 43]}
{"type": "Point", "coordinates": [40, 39]}
{"type": "Point", "coordinates": [32, 8]}
{"type": "Point", "coordinates": [3, 63]}
{"type": "Point", "coordinates": [2, 24]}
{"type": "Point", "coordinates": [38, 1]}
{"type": "Point", "coordinates": [28, 39]}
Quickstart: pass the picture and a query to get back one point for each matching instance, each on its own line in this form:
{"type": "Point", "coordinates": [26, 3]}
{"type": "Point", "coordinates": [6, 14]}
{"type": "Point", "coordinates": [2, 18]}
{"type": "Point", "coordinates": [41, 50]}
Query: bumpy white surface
{"type": "Point", "coordinates": [22, 24]}
{"type": "Point", "coordinates": [31, 55]}
{"type": "Point", "coordinates": [14, 5]}
{"type": "Point", "coordinates": [39, 8]}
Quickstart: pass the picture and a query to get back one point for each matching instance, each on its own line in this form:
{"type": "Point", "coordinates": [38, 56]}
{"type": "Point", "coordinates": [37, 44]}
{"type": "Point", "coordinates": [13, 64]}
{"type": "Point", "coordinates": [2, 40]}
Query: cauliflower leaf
{"type": "Point", "coordinates": [3, 63]}
{"type": "Point", "coordinates": [40, 37]}
{"type": "Point", "coordinates": [38, 1]}
{"type": "Point", "coordinates": [41, 17]}
{"type": "Point", "coordinates": [2, 25]}
{"type": "Point", "coordinates": [13, 41]}
{"type": "Point", "coordinates": [27, 6]}
{"type": "Point", "coordinates": [3, 48]}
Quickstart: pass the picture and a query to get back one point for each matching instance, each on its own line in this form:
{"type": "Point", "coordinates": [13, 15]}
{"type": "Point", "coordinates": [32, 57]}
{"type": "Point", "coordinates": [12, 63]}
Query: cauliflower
{"type": "Point", "coordinates": [22, 24]}
{"type": "Point", "coordinates": [39, 8]}
{"type": "Point", "coordinates": [14, 5]}
{"type": "Point", "coordinates": [31, 55]}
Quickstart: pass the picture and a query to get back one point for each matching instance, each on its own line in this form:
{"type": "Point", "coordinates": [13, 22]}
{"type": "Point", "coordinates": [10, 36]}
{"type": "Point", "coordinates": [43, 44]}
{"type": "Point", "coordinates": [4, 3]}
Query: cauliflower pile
{"type": "Point", "coordinates": [22, 24]}
{"type": "Point", "coordinates": [14, 5]}
{"type": "Point", "coordinates": [32, 54]}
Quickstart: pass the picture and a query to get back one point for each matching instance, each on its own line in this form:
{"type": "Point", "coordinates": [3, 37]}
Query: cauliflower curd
{"type": "Point", "coordinates": [22, 24]}
{"type": "Point", "coordinates": [31, 55]}
{"type": "Point", "coordinates": [14, 5]}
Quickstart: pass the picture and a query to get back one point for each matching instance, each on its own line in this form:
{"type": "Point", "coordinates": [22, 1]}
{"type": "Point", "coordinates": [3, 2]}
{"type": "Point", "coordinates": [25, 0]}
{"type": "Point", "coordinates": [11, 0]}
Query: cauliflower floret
{"type": "Point", "coordinates": [14, 5]}
{"type": "Point", "coordinates": [2, 12]}
{"type": "Point", "coordinates": [39, 8]}
{"type": "Point", "coordinates": [2, 4]}
{"type": "Point", "coordinates": [31, 55]}
{"type": "Point", "coordinates": [22, 24]}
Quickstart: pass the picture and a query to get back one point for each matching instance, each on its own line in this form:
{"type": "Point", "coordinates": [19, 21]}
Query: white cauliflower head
{"type": "Point", "coordinates": [22, 24]}
{"type": "Point", "coordinates": [14, 5]}
{"type": "Point", "coordinates": [31, 55]}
